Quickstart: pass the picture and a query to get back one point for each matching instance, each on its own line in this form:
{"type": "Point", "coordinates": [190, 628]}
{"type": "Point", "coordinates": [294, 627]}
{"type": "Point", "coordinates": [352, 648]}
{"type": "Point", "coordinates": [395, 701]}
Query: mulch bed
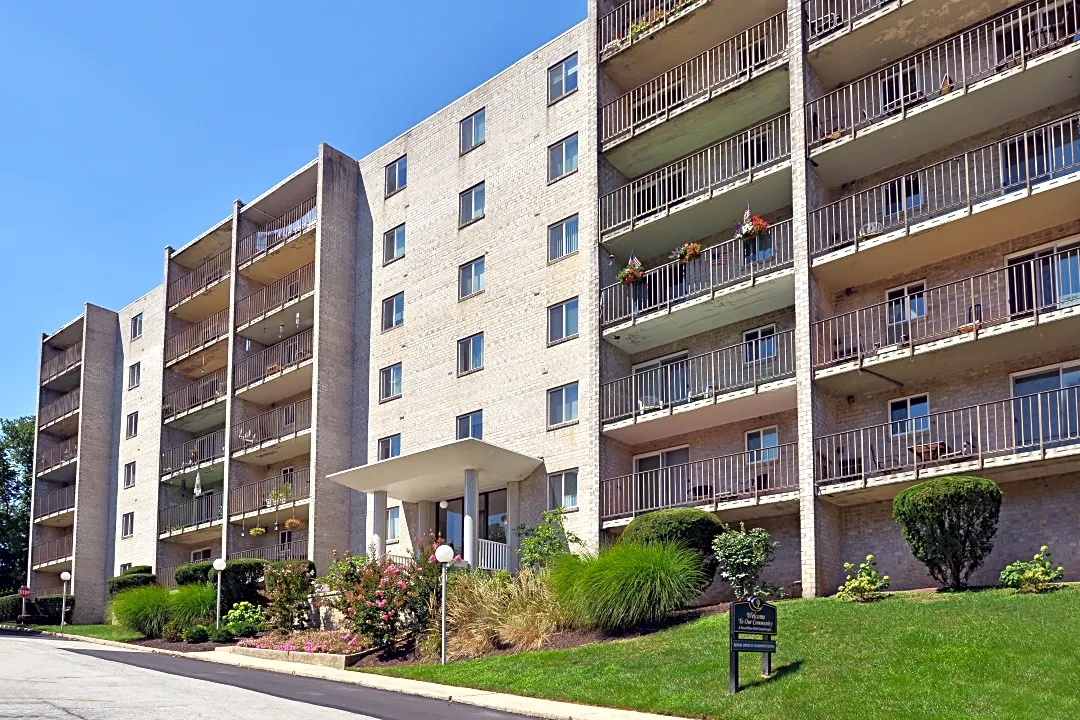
{"type": "Point", "coordinates": [159, 644]}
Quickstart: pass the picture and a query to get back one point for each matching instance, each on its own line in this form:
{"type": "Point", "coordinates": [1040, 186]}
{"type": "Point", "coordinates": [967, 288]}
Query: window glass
{"type": "Point", "coordinates": [472, 131]}
{"type": "Point", "coordinates": [397, 175]}
{"type": "Point", "coordinates": [393, 523]}
{"type": "Point", "coordinates": [136, 327]}
{"type": "Point", "coordinates": [390, 382]}
{"type": "Point", "coordinates": [393, 311]}
{"type": "Point", "coordinates": [563, 320]}
{"type": "Point", "coordinates": [471, 278]}
{"type": "Point", "coordinates": [563, 238]}
{"type": "Point", "coordinates": [393, 244]}
{"type": "Point", "coordinates": [563, 158]}
{"type": "Point", "coordinates": [563, 404]}
{"type": "Point", "coordinates": [472, 205]}
{"type": "Point", "coordinates": [390, 447]}
{"type": "Point", "coordinates": [562, 79]}
{"type": "Point", "coordinates": [471, 425]}
{"type": "Point", "coordinates": [471, 353]}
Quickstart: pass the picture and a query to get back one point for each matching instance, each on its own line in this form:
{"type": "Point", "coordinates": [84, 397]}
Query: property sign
{"type": "Point", "coordinates": [750, 617]}
{"type": "Point", "coordinates": [760, 646]}
{"type": "Point", "coordinates": [24, 592]}
{"type": "Point", "coordinates": [754, 617]}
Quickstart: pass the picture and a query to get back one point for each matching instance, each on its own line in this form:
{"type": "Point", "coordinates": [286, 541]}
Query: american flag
{"type": "Point", "coordinates": [746, 215]}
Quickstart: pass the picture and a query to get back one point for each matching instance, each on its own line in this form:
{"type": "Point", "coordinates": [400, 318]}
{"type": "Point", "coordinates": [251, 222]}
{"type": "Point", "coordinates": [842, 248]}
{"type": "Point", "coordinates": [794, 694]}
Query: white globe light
{"type": "Point", "coordinates": [65, 576]}
{"type": "Point", "coordinates": [444, 554]}
{"type": "Point", "coordinates": [443, 504]}
{"type": "Point", "coordinates": [219, 564]}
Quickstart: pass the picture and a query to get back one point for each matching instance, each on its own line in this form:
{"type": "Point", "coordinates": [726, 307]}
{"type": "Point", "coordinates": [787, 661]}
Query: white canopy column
{"type": "Point", "coordinates": [471, 518]}
{"type": "Point", "coordinates": [378, 522]}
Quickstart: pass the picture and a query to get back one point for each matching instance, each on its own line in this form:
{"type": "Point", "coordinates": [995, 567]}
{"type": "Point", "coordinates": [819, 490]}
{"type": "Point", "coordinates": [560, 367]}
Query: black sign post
{"type": "Point", "coordinates": [750, 617]}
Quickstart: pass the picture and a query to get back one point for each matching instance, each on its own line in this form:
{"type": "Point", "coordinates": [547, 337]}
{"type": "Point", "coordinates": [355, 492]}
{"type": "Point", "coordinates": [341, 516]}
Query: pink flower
{"type": "Point", "coordinates": [431, 559]}
{"type": "Point", "coordinates": [380, 603]}
{"type": "Point", "coordinates": [457, 558]}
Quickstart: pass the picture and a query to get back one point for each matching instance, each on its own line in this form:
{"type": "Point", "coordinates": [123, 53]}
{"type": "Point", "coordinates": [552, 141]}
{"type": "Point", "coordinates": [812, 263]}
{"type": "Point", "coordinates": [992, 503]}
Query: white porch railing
{"type": "Point", "coordinates": [491, 555]}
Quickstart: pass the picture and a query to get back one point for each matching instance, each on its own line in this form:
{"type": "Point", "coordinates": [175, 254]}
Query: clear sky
{"type": "Point", "coordinates": [127, 126]}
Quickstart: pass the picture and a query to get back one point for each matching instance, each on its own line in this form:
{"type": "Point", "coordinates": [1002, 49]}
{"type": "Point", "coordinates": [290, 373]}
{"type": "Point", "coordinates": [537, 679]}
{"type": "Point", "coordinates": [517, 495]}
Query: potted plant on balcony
{"type": "Point", "coordinates": [751, 226]}
{"type": "Point", "coordinates": [632, 273]}
{"type": "Point", "coordinates": [293, 524]}
{"type": "Point", "coordinates": [257, 531]}
{"type": "Point", "coordinates": [687, 252]}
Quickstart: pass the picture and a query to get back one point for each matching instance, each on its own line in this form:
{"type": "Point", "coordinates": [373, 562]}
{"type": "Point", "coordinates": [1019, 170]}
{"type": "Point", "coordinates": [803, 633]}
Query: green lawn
{"type": "Point", "coordinates": [101, 632]}
{"type": "Point", "coordinates": [989, 654]}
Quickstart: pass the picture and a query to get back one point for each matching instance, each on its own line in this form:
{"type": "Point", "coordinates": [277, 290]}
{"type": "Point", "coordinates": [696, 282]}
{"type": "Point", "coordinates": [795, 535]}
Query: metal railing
{"type": "Point", "coordinates": [58, 590]}
{"type": "Point", "coordinates": [273, 359]}
{"type": "Point", "coordinates": [53, 550]}
{"type": "Point", "coordinates": [54, 502]}
{"type": "Point", "coordinates": [743, 475]}
{"type": "Point", "coordinates": [271, 492]}
{"type": "Point", "coordinates": [166, 575]}
{"type": "Point", "coordinates": [1011, 165]}
{"type": "Point", "coordinates": [730, 63]}
{"type": "Point", "coordinates": [825, 17]}
{"type": "Point", "coordinates": [58, 454]}
{"type": "Point", "coordinates": [277, 231]}
{"type": "Point", "coordinates": [987, 49]}
{"type": "Point", "coordinates": [701, 377]}
{"type": "Point", "coordinates": [193, 452]}
{"type": "Point", "coordinates": [205, 331]}
{"type": "Point", "coordinates": [272, 425]}
{"type": "Point", "coordinates": [720, 266]}
{"type": "Point", "coordinates": [59, 407]}
{"type": "Point", "coordinates": [295, 550]}
{"type": "Point", "coordinates": [59, 364]}
{"type": "Point", "coordinates": [1023, 290]}
{"type": "Point", "coordinates": [204, 276]}
{"type": "Point", "coordinates": [491, 555]}
{"type": "Point", "coordinates": [622, 26]}
{"type": "Point", "coordinates": [1026, 424]}
{"type": "Point", "coordinates": [275, 295]}
{"type": "Point", "coordinates": [731, 160]}
{"type": "Point", "coordinates": [193, 513]}
{"type": "Point", "coordinates": [204, 390]}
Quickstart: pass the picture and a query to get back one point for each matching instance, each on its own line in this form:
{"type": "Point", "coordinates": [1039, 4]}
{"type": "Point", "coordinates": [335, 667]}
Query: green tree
{"type": "Point", "coordinates": [16, 471]}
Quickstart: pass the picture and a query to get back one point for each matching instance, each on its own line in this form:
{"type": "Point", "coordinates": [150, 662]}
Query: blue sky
{"type": "Point", "coordinates": [129, 126]}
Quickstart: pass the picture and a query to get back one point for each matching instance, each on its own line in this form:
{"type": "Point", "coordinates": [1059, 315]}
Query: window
{"type": "Point", "coordinates": [905, 304]}
{"type": "Point", "coordinates": [562, 79]}
{"type": "Point", "coordinates": [563, 321]}
{"type": "Point", "coordinates": [202, 554]}
{"type": "Point", "coordinates": [664, 381]}
{"type": "Point", "coordinates": [133, 424]}
{"type": "Point", "coordinates": [397, 175]}
{"type": "Point", "coordinates": [492, 519]}
{"type": "Point", "coordinates": [562, 490]}
{"type": "Point", "coordinates": [1045, 407]}
{"type": "Point", "coordinates": [393, 244]}
{"type": "Point", "coordinates": [472, 205]}
{"type": "Point", "coordinates": [471, 278]}
{"type": "Point", "coordinates": [910, 414]}
{"type": "Point", "coordinates": [129, 475]}
{"type": "Point", "coordinates": [761, 445]}
{"type": "Point", "coordinates": [470, 354]}
{"type": "Point", "coordinates": [472, 131]}
{"type": "Point", "coordinates": [760, 343]}
{"type": "Point", "coordinates": [136, 327]}
{"type": "Point", "coordinates": [393, 523]}
{"type": "Point", "coordinates": [563, 405]}
{"type": "Point", "coordinates": [904, 194]}
{"type": "Point", "coordinates": [471, 425]}
{"type": "Point", "coordinates": [127, 525]}
{"type": "Point", "coordinates": [390, 447]}
{"type": "Point", "coordinates": [124, 567]}
{"type": "Point", "coordinates": [562, 158]}
{"type": "Point", "coordinates": [899, 87]}
{"type": "Point", "coordinates": [133, 376]}
{"type": "Point", "coordinates": [284, 537]}
{"type": "Point", "coordinates": [390, 382]}
{"type": "Point", "coordinates": [563, 238]}
{"type": "Point", "coordinates": [393, 311]}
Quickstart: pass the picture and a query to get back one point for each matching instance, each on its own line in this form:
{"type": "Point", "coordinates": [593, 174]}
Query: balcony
{"type": "Point", "coordinates": [193, 456]}
{"type": "Point", "coordinates": [59, 457]}
{"type": "Point", "coordinates": [193, 521]}
{"type": "Point", "coordinates": [273, 436]}
{"type": "Point", "coordinates": [729, 282]}
{"type": "Point", "coordinates": [756, 483]}
{"type": "Point", "coordinates": [201, 292]}
{"type": "Point", "coordinates": [1003, 190]}
{"type": "Point", "coordinates": [279, 371]}
{"type": "Point", "coordinates": [276, 249]}
{"type": "Point", "coordinates": [194, 338]}
{"type": "Point", "coordinates": [1000, 70]}
{"type": "Point", "coordinates": [56, 508]}
{"type": "Point", "coordinates": [276, 304]}
{"type": "Point", "coordinates": [61, 416]}
{"type": "Point", "coordinates": [724, 386]}
{"type": "Point", "coordinates": [269, 496]}
{"type": "Point", "coordinates": [723, 82]}
{"type": "Point", "coordinates": [295, 550]}
{"type": "Point", "coordinates": [54, 555]}
{"type": "Point", "coordinates": [199, 406]}
{"type": "Point", "coordinates": [54, 371]}
{"type": "Point", "coordinates": [974, 322]}
{"type": "Point", "coordinates": [1043, 427]}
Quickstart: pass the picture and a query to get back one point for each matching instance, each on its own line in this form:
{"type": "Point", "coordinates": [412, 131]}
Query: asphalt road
{"type": "Point", "coordinates": [46, 678]}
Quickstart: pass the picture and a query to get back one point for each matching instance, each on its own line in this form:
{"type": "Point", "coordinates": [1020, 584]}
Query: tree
{"type": "Point", "coordinates": [16, 472]}
{"type": "Point", "coordinates": [743, 555]}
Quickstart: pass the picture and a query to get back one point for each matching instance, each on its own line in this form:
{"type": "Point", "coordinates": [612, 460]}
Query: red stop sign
{"type": "Point", "coordinates": [24, 592]}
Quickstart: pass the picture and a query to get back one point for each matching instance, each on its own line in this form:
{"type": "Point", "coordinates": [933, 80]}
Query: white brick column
{"type": "Point", "coordinates": [378, 522]}
{"type": "Point", "coordinates": [470, 522]}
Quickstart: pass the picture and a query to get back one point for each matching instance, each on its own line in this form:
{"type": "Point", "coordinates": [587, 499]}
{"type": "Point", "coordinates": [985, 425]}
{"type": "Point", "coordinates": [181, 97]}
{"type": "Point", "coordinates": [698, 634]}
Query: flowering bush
{"type": "Point", "coordinates": [866, 585]}
{"type": "Point", "coordinates": [687, 252]}
{"type": "Point", "coordinates": [310, 641]}
{"type": "Point", "coordinates": [752, 227]}
{"type": "Point", "coordinates": [244, 619]}
{"type": "Point", "coordinates": [1037, 575]}
{"type": "Point", "coordinates": [289, 585]}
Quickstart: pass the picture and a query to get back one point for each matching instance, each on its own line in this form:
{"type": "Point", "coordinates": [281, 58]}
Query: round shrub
{"type": "Point", "coordinates": [949, 523]}
{"type": "Point", "coordinates": [138, 570]}
{"type": "Point", "coordinates": [10, 607]}
{"type": "Point", "coordinates": [192, 605]}
{"type": "Point", "coordinates": [46, 609]}
{"type": "Point", "coordinates": [196, 634]}
{"type": "Point", "coordinates": [239, 581]}
{"type": "Point", "coordinates": [219, 635]}
{"type": "Point", "coordinates": [692, 528]}
{"type": "Point", "coordinates": [195, 572]}
{"type": "Point", "coordinates": [127, 581]}
{"type": "Point", "coordinates": [244, 620]}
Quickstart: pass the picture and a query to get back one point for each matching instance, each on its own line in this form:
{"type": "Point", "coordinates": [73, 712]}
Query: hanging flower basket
{"type": "Point", "coordinates": [753, 226]}
{"type": "Point", "coordinates": [687, 252]}
{"type": "Point", "coordinates": [293, 524]}
{"type": "Point", "coordinates": [630, 275]}
{"type": "Point", "coordinates": [257, 531]}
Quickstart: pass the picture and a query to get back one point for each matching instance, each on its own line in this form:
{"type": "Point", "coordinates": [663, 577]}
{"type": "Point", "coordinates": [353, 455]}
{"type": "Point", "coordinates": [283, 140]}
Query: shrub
{"type": "Point", "coordinates": [46, 609]}
{"type": "Point", "coordinates": [742, 556]}
{"type": "Point", "coordinates": [219, 635]}
{"type": "Point", "coordinates": [866, 586]}
{"type": "Point", "coordinates": [1036, 575]}
{"type": "Point", "coordinates": [244, 620]}
{"type": "Point", "coordinates": [139, 570]}
{"type": "Point", "coordinates": [192, 605]}
{"type": "Point", "coordinates": [312, 641]}
{"type": "Point", "coordinates": [10, 607]}
{"type": "Point", "coordinates": [196, 634]}
{"type": "Point", "coordinates": [128, 581]}
{"type": "Point", "coordinates": [692, 528]}
{"type": "Point", "coordinates": [195, 572]}
{"type": "Point", "coordinates": [548, 540]}
{"type": "Point", "coordinates": [172, 633]}
{"type": "Point", "coordinates": [240, 581]}
{"type": "Point", "coordinates": [143, 609]}
{"type": "Point", "coordinates": [289, 586]}
{"type": "Point", "coordinates": [628, 585]}
{"type": "Point", "coordinates": [949, 524]}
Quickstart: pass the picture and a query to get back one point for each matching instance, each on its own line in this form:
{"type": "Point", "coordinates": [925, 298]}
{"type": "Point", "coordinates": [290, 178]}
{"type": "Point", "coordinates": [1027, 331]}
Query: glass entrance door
{"type": "Point", "coordinates": [663, 479]}
{"type": "Point", "coordinates": [1046, 408]}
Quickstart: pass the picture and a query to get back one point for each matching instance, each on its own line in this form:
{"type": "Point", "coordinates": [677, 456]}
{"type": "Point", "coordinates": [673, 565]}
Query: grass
{"type": "Point", "coordinates": [911, 656]}
{"type": "Point", "coordinates": [101, 632]}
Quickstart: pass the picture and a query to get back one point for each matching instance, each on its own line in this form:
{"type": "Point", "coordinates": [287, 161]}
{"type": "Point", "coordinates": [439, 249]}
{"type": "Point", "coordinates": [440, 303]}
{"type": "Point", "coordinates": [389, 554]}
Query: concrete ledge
{"type": "Point", "coordinates": [338, 662]}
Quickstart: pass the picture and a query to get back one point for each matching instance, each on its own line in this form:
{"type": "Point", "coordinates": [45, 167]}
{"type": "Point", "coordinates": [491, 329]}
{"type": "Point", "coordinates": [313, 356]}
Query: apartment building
{"type": "Point", "coordinates": [435, 337]}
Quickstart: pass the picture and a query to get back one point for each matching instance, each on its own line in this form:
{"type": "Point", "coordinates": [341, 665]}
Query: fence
{"type": "Point", "coordinates": [491, 555]}
{"type": "Point", "coordinates": [51, 551]}
{"type": "Point", "coordinates": [277, 231]}
{"type": "Point", "coordinates": [204, 276]}
{"type": "Point", "coordinates": [196, 512]}
{"type": "Point", "coordinates": [205, 390]}
{"type": "Point", "coordinates": [206, 330]}
{"type": "Point", "coordinates": [273, 359]}
{"type": "Point", "coordinates": [276, 423]}
{"type": "Point", "coordinates": [271, 492]}
{"type": "Point", "coordinates": [275, 295]}
{"type": "Point", "coordinates": [193, 452]}
{"type": "Point", "coordinates": [54, 502]}
{"type": "Point", "coordinates": [294, 550]}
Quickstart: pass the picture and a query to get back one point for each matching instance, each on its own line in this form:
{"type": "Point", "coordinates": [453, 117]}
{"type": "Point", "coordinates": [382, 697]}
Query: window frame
{"type": "Point", "coordinates": [124, 567]}
{"type": "Point", "coordinates": [391, 235]}
{"type": "Point", "coordinates": [483, 275]}
{"type": "Point", "coordinates": [131, 425]}
{"type": "Point", "coordinates": [469, 416]}
{"type": "Point", "coordinates": [756, 343]}
{"type": "Point", "coordinates": [547, 409]}
{"type": "Point", "coordinates": [462, 150]}
{"type": "Point", "coordinates": [136, 329]}
{"type": "Point", "coordinates": [561, 475]}
{"type": "Point", "coordinates": [395, 167]}
{"type": "Point", "coordinates": [577, 321]}
{"type": "Point", "coordinates": [761, 454]}
{"type": "Point", "coordinates": [909, 421]}
{"type": "Point", "coordinates": [134, 375]}
{"type": "Point", "coordinates": [561, 66]}
{"type": "Point", "coordinates": [393, 314]}
{"type": "Point", "coordinates": [562, 144]}
{"type": "Point", "coordinates": [562, 240]}
{"type": "Point", "coordinates": [389, 445]}
{"type": "Point", "coordinates": [129, 477]}
{"type": "Point", "coordinates": [471, 340]}
{"type": "Point", "coordinates": [201, 553]}
{"type": "Point", "coordinates": [393, 524]}
{"type": "Point", "coordinates": [127, 525]}
{"type": "Point", "coordinates": [471, 193]}
{"type": "Point", "coordinates": [389, 371]}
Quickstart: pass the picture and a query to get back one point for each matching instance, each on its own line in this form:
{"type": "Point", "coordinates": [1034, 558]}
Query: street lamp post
{"type": "Point", "coordinates": [445, 555]}
{"type": "Point", "coordinates": [65, 576]}
{"type": "Point", "coordinates": [219, 565]}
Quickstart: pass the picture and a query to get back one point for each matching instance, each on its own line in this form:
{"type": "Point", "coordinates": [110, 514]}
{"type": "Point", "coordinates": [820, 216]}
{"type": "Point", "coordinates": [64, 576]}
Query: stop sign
{"type": "Point", "coordinates": [24, 592]}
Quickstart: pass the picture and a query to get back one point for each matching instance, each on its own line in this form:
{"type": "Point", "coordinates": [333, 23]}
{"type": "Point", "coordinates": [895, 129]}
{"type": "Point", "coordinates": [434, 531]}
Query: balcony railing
{"type": "Point", "coordinates": [1012, 165]}
{"type": "Point", "coordinates": [1026, 424]}
{"type": "Point", "coordinates": [194, 452]}
{"type": "Point", "coordinates": [167, 575]}
{"type": "Point", "coordinates": [201, 391]}
{"type": "Point", "coordinates": [194, 336]}
{"type": "Point", "coordinates": [277, 231]}
{"type": "Point", "coordinates": [702, 377]}
{"type": "Point", "coordinates": [728, 64]}
{"type": "Point", "coordinates": [57, 590]}
{"type": "Point", "coordinates": [491, 555]}
{"type": "Point", "coordinates": [275, 295]}
{"type": "Point", "coordinates": [718, 267]}
{"type": "Point", "coordinates": [59, 364]}
{"type": "Point", "coordinates": [273, 360]}
{"type": "Point", "coordinates": [54, 502]}
{"type": "Point", "coordinates": [295, 550]}
{"type": "Point", "coordinates": [53, 550]}
{"type": "Point", "coordinates": [269, 493]}
{"type": "Point", "coordinates": [58, 454]}
{"type": "Point", "coordinates": [733, 159]}
{"type": "Point", "coordinates": [749, 474]}
{"type": "Point", "coordinates": [59, 407]}
{"type": "Point", "coordinates": [272, 425]}
{"type": "Point", "coordinates": [631, 20]}
{"type": "Point", "coordinates": [190, 514]}
{"type": "Point", "coordinates": [1023, 290]}
{"type": "Point", "coordinates": [204, 276]}
{"type": "Point", "coordinates": [975, 54]}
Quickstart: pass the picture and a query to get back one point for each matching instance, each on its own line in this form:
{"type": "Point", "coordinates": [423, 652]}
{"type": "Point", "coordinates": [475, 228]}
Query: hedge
{"type": "Point", "coordinates": [194, 572]}
{"type": "Point", "coordinates": [46, 609]}
{"type": "Point", "coordinates": [691, 528]}
{"type": "Point", "coordinates": [240, 582]}
{"type": "Point", "coordinates": [10, 607]}
{"type": "Point", "coordinates": [128, 581]}
{"type": "Point", "coordinates": [138, 570]}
